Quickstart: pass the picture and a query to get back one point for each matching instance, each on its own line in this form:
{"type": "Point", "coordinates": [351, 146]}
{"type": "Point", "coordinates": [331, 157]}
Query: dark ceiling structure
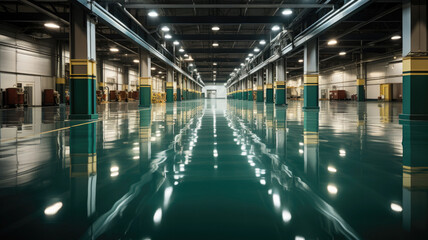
{"type": "Point", "coordinates": [244, 26]}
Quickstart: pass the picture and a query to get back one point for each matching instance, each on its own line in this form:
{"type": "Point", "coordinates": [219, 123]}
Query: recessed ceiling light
{"type": "Point", "coordinates": [153, 14]}
{"type": "Point", "coordinates": [247, 58]}
{"type": "Point", "coordinates": [215, 28]}
{"type": "Point", "coordinates": [332, 42]}
{"type": "Point", "coordinates": [165, 29]}
{"type": "Point", "coordinates": [262, 42]}
{"type": "Point", "coordinates": [250, 54]}
{"type": "Point", "coordinates": [160, 72]}
{"type": "Point", "coordinates": [395, 37]}
{"type": "Point", "coordinates": [195, 70]}
{"type": "Point", "coordinates": [136, 61]}
{"type": "Point", "coordinates": [287, 12]}
{"type": "Point", "coordinates": [51, 25]}
{"type": "Point", "coordinates": [242, 64]}
{"type": "Point", "coordinates": [275, 28]}
{"type": "Point", "coordinates": [186, 55]}
{"type": "Point", "coordinates": [342, 53]}
{"type": "Point", "coordinates": [300, 60]}
{"type": "Point", "coordinates": [215, 44]}
{"type": "Point", "coordinates": [215, 64]}
{"type": "Point", "coordinates": [114, 50]}
{"type": "Point", "coordinates": [214, 71]}
{"type": "Point", "coordinates": [181, 50]}
{"type": "Point", "coordinates": [256, 50]}
{"type": "Point", "coordinates": [176, 43]}
{"type": "Point", "coordinates": [168, 36]}
{"type": "Point", "coordinates": [153, 68]}
{"type": "Point", "coordinates": [191, 65]}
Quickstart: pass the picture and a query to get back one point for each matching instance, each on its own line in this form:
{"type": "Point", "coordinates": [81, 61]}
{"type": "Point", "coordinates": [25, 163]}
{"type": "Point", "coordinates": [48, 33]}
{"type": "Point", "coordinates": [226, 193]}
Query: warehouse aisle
{"type": "Point", "coordinates": [213, 169]}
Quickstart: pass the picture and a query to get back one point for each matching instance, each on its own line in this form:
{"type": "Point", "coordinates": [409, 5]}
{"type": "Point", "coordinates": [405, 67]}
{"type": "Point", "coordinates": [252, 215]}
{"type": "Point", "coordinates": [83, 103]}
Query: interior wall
{"type": "Point", "coordinates": [381, 72]}
{"type": "Point", "coordinates": [220, 88]}
{"type": "Point", "coordinates": [26, 61]}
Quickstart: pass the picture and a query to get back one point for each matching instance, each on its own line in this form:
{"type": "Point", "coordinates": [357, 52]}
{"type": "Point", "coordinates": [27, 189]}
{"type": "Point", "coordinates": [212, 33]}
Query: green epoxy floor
{"type": "Point", "coordinates": [214, 169]}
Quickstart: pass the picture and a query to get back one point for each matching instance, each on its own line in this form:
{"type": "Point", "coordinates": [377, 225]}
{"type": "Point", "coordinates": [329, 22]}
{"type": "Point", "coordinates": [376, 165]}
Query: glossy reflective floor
{"type": "Point", "coordinates": [214, 169]}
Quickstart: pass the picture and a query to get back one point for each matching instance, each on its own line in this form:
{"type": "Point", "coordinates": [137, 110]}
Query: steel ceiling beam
{"type": "Point", "coordinates": [217, 6]}
{"type": "Point", "coordinates": [106, 17]}
{"type": "Point", "coordinates": [221, 37]}
{"type": "Point", "coordinates": [192, 20]}
{"type": "Point", "coordinates": [218, 50]}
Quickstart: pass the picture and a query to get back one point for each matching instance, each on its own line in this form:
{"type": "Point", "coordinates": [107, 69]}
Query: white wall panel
{"type": "Point", "coordinates": [7, 59]}
{"type": "Point", "coordinates": [221, 90]}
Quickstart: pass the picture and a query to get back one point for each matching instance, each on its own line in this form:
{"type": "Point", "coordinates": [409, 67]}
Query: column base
{"type": "Point", "coordinates": [311, 108]}
{"type": "Point", "coordinates": [82, 116]}
{"type": "Point", "coordinates": [418, 117]}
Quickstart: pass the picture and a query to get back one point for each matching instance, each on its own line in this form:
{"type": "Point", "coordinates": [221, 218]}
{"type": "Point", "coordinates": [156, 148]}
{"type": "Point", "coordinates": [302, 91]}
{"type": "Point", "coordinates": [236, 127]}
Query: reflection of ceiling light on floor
{"type": "Point", "coordinates": [396, 208]}
{"type": "Point", "coordinates": [332, 169]}
{"type": "Point", "coordinates": [53, 209]}
{"type": "Point", "coordinates": [332, 189]}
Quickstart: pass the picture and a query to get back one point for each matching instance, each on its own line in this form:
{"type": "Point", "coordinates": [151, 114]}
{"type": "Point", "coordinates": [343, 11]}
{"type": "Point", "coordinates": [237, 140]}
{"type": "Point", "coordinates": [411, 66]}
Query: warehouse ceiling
{"type": "Point", "coordinates": [242, 25]}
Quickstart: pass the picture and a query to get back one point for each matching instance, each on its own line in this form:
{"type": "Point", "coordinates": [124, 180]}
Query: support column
{"type": "Point", "coordinates": [245, 89]}
{"type": "Point", "coordinates": [185, 88]}
{"type": "Point", "coordinates": [145, 80]}
{"type": "Point", "coordinates": [361, 80]}
{"type": "Point", "coordinates": [311, 69]}
{"type": "Point", "coordinates": [269, 83]}
{"type": "Point", "coordinates": [82, 65]}
{"type": "Point", "coordinates": [250, 88]}
{"type": "Point", "coordinates": [60, 72]}
{"type": "Point", "coordinates": [415, 61]}
{"type": "Point", "coordinates": [260, 97]}
{"type": "Point", "coordinates": [170, 85]}
{"type": "Point", "coordinates": [280, 86]}
{"type": "Point", "coordinates": [179, 84]}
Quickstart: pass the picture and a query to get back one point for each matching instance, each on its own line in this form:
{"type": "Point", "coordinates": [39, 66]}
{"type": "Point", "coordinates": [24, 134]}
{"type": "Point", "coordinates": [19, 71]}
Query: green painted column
{"type": "Point", "coordinates": [311, 144]}
{"type": "Point", "coordinates": [269, 93]}
{"type": "Point", "coordinates": [269, 83]}
{"type": "Point", "coordinates": [415, 61]}
{"type": "Point", "coordinates": [361, 91]}
{"type": "Point", "coordinates": [145, 80]}
{"type": "Point", "coordinates": [145, 133]}
{"type": "Point", "coordinates": [415, 177]}
{"type": "Point", "coordinates": [179, 86]}
{"type": "Point", "coordinates": [280, 86]}
{"type": "Point", "coordinates": [310, 78]}
{"type": "Point", "coordinates": [170, 85]}
{"type": "Point", "coordinates": [260, 93]}
{"type": "Point", "coordinates": [83, 169]}
{"type": "Point", "coordinates": [82, 65]}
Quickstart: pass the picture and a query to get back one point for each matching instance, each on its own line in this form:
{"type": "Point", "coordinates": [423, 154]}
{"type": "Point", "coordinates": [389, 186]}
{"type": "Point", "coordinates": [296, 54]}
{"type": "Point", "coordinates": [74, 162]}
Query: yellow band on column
{"type": "Point", "coordinates": [415, 66]}
{"type": "Point", "coordinates": [361, 82]}
{"type": "Point", "coordinates": [310, 79]}
{"type": "Point", "coordinates": [145, 81]}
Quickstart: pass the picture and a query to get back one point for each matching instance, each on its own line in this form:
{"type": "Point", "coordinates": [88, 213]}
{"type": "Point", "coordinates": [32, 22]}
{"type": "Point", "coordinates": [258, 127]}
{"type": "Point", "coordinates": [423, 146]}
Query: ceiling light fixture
{"type": "Point", "coordinates": [395, 37]}
{"type": "Point", "coordinates": [250, 54]}
{"type": "Point", "coordinates": [300, 60]}
{"type": "Point", "coordinates": [51, 25]}
{"type": "Point", "coordinates": [256, 50]}
{"type": "Point", "coordinates": [176, 42]}
{"type": "Point", "coordinates": [332, 42]}
{"type": "Point", "coordinates": [114, 50]}
{"type": "Point", "coordinates": [165, 29]}
{"type": "Point", "coordinates": [262, 42]}
{"type": "Point", "coordinates": [160, 72]}
{"type": "Point", "coordinates": [247, 58]}
{"type": "Point", "coordinates": [153, 68]}
{"type": "Point", "coordinates": [275, 28]}
{"type": "Point", "coordinates": [168, 36]}
{"type": "Point", "coordinates": [136, 61]}
{"type": "Point", "coordinates": [153, 14]}
{"type": "Point", "coordinates": [181, 50]}
{"type": "Point", "coordinates": [215, 28]}
{"type": "Point", "coordinates": [215, 44]}
{"type": "Point", "coordinates": [186, 55]}
{"type": "Point", "coordinates": [215, 64]}
{"type": "Point", "coordinates": [342, 53]}
{"type": "Point", "coordinates": [242, 64]}
{"type": "Point", "coordinates": [287, 12]}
